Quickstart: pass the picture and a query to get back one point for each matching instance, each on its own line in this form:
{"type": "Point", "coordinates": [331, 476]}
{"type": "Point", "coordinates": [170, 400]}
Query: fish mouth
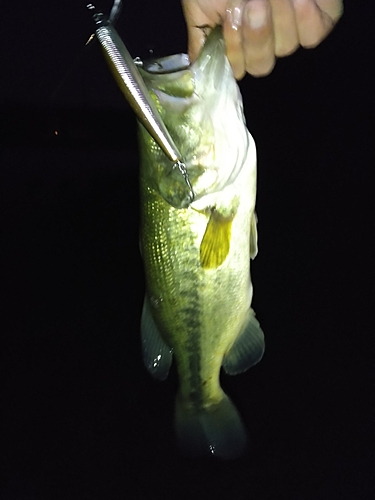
{"type": "Point", "coordinates": [213, 47]}
{"type": "Point", "coordinates": [211, 61]}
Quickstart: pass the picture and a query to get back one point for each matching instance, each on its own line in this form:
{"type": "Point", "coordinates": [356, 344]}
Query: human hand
{"type": "Point", "coordinates": [258, 31]}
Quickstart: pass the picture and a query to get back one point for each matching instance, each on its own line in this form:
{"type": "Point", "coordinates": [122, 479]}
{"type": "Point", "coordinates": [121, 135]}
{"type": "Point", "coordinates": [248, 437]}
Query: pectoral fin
{"type": "Point", "coordinates": [157, 356]}
{"type": "Point", "coordinates": [247, 349]}
{"type": "Point", "coordinates": [253, 236]}
{"type": "Point", "coordinates": [216, 240]}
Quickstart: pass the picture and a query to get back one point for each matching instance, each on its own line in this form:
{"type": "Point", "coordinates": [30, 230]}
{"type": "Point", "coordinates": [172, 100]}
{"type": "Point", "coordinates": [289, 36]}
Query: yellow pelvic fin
{"type": "Point", "coordinates": [216, 240]}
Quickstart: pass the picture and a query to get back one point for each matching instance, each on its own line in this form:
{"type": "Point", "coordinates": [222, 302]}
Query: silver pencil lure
{"type": "Point", "coordinates": [132, 85]}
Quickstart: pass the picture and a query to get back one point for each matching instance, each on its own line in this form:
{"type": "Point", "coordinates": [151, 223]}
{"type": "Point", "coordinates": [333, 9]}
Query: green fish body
{"type": "Point", "coordinates": [197, 255]}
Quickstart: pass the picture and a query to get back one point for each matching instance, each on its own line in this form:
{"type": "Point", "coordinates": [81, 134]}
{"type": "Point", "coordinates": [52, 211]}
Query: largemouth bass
{"type": "Point", "coordinates": [197, 253]}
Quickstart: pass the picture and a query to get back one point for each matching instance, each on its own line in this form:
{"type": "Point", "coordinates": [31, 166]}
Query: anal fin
{"type": "Point", "coordinates": [247, 349]}
{"type": "Point", "coordinates": [157, 356]}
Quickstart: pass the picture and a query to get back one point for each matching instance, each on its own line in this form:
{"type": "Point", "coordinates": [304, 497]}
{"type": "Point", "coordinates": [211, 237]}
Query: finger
{"type": "Point", "coordinates": [233, 39]}
{"type": "Point", "coordinates": [258, 37]}
{"type": "Point", "coordinates": [334, 8]}
{"type": "Point", "coordinates": [285, 27]}
{"type": "Point", "coordinates": [195, 17]}
{"type": "Point", "coordinates": [312, 24]}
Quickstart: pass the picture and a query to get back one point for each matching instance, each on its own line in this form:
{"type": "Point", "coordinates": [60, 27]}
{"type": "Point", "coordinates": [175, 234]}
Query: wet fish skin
{"type": "Point", "coordinates": [197, 259]}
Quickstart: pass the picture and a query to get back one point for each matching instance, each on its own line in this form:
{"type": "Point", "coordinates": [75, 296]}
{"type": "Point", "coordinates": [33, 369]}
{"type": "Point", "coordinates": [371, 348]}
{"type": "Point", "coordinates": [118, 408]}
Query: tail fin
{"type": "Point", "coordinates": [217, 430]}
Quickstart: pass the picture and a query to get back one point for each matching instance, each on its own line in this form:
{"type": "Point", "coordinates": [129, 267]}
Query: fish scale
{"type": "Point", "coordinates": [184, 292]}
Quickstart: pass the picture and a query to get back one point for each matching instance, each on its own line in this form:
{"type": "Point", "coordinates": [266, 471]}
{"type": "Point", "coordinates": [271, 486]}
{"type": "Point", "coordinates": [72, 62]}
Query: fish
{"type": "Point", "coordinates": [197, 250]}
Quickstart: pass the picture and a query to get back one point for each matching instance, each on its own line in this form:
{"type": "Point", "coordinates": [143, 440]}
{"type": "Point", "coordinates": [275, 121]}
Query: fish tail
{"type": "Point", "coordinates": [216, 430]}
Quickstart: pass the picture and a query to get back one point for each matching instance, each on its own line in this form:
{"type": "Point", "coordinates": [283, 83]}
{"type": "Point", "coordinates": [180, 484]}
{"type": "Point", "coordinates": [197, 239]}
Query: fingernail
{"type": "Point", "coordinates": [256, 14]}
{"type": "Point", "coordinates": [234, 14]}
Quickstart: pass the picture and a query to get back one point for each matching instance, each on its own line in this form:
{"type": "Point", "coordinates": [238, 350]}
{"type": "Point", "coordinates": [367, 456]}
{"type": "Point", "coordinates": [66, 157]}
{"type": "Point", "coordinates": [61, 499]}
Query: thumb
{"type": "Point", "coordinates": [194, 17]}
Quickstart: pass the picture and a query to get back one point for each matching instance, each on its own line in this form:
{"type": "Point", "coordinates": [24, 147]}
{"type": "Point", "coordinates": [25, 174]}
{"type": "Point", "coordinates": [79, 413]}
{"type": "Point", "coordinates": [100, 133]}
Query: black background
{"type": "Point", "coordinates": [82, 418]}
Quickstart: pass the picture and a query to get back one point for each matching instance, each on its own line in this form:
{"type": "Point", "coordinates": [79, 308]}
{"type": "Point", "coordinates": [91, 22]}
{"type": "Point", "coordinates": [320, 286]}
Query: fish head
{"type": "Point", "coordinates": [201, 106]}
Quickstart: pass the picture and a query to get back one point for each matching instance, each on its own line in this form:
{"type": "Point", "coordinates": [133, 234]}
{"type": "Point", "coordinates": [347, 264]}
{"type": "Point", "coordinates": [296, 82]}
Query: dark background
{"type": "Point", "coordinates": [82, 417]}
